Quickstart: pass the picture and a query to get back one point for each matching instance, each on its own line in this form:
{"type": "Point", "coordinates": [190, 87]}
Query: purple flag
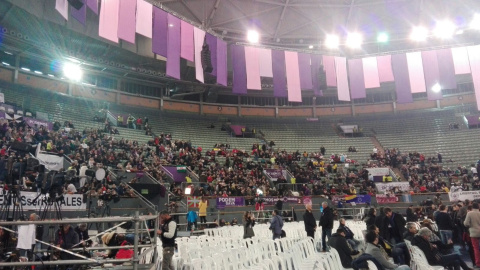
{"type": "Point", "coordinates": [126, 23]}
{"type": "Point", "coordinates": [400, 73]}
{"type": "Point", "coordinates": [446, 69]}
{"type": "Point", "coordinates": [239, 70]}
{"type": "Point", "coordinates": [315, 70]}
{"type": "Point", "coordinates": [356, 78]}
{"type": "Point", "coordinates": [159, 32]}
{"type": "Point", "coordinates": [279, 75]}
{"type": "Point", "coordinates": [305, 71]}
{"type": "Point", "coordinates": [173, 47]}
{"type": "Point", "coordinates": [93, 5]}
{"type": "Point", "coordinates": [79, 14]}
{"type": "Point", "coordinates": [222, 71]}
{"type": "Point", "coordinates": [432, 75]}
{"type": "Point", "coordinates": [212, 45]}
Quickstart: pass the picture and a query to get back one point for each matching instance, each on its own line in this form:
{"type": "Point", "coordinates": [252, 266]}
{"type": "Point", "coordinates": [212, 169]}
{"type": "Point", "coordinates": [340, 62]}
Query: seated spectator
{"type": "Point", "coordinates": [433, 255]}
{"type": "Point", "coordinates": [348, 234]}
{"type": "Point", "coordinates": [338, 242]}
{"type": "Point", "coordinates": [411, 231]}
{"type": "Point", "coordinates": [379, 253]}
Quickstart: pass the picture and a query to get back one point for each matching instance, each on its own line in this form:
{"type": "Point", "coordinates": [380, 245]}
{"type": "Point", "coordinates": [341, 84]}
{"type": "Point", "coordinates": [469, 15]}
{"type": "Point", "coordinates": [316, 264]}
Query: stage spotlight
{"type": "Point", "coordinates": [332, 41]}
{"type": "Point", "coordinates": [72, 71]}
{"type": "Point", "coordinates": [444, 29]}
{"type": "Point", "coordinates": [419, 33]}
{"type": "Point", "coordinates": [475, 23]}
{"type": "Point", "coordinates": [253, 36]}
{"type": "Point", "coordinates": [436, 88]}
{"type": "Point", "coordinates": [382, 37]}
{"type": "Point", "coordinates": [354, 40]}
{"type": "Point", "coordinates": [310, 47]}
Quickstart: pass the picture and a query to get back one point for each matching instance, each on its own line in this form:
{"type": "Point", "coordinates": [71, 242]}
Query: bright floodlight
{"type": "Point", "coordinates": [382, 37]}
{"type": "Point", "coordinates": [253, 36]}
{"type": "Point", "coordinates": [436, 88]}
{"type": "Point", "coordinates": [72, 71]}
{"type": "Point", "coordinates": [475, 23]}
{"type": "Point", "coordinates": [444, 29]}
{"type": "Point", "coordinates": [354, 40]}
{"type": "Point", "coordinates": [419, 33]}
{"type": "Point", "coordinates": [332, 41]}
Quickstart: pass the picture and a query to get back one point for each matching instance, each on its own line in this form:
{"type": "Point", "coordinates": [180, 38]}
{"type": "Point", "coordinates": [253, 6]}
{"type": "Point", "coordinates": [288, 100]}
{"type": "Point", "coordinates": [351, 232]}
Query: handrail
{"type": "Point", "coordinates": [192, 174]}
{"type": "Point", "coordinates": [167, 172]}
{"type": "Point", "coordinates": [140, 196]}
{"type": "Point", "coordinates": [112, 118]}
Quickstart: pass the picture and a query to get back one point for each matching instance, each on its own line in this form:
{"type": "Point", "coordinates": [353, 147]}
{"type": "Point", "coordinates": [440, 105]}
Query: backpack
{"type": "Point", "coordinates": [361, 262]}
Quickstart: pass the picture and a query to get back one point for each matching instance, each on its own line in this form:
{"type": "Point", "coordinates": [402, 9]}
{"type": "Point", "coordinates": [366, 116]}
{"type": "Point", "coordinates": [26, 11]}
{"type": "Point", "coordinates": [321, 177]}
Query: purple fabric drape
{"type": "Point", "coordinates": [305, 71]}
{"type": "Point", "coordinates": [356, 78]}
{"type": "Point", "coordinates": [239, 70]}
{"type": "Point", "coordinates": [400, 73]}
{"type": "Point", "coordinates": [126, 23]}
{"type": "Point", "coordinates": [212, 44]}
{"type": "Point", "coordinates": [474, 59]}
{"type": "Point", "coordinates": [432, 74]}
{"type": "Point", "coordinates": [93, 5]}
{"type": "Point", "coordinates": [315, 69]}
{"type": "Point", "coordinates": [79, 14]}
{"type": "Point", "coordinates": [330, 70]}
{"type": "Point", "coordinates": [173, 47]}
{"type": "Point", "coordinates": [222, 71]}
{"type": "Point", "coordinates": [159, 32]}
{"type": "Point", "coordinates": [279, 75]}
{"type": "Point", "coordinates": [446, 69]}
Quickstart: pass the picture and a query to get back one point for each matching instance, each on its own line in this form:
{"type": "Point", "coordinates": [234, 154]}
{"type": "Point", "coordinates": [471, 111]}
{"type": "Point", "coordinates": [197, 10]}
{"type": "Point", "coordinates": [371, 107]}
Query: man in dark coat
{"type": "Point", "coordinates": [338, 242]}
{"type": "Point", "coordinates": [309, 221]}
{"type": "Point", "coordinates": [66, 238]}
{"type": "Point", "coordinates": [394, 225]}
{"type": "Point", "coordinates": [411, 217]}
{"type": "Point", "coordinates": [326, 222]}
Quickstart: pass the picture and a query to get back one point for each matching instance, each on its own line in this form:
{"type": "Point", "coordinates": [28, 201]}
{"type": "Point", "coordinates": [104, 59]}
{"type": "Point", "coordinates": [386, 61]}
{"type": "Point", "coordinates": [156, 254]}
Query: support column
{"type": "Point", "coordinates": [314, 107]}
{"type": "Point", "coordinates": [135, 241]}
{"type": "Point", "coordinates": [70, 89]}
{"type": "Point", "coordinates": [17, 67]}
{"type": "Point", "coordinates": [439, 106]}
{"type": "Point", "coordinates": [117, 98]}
{"type": "Point", "coordinates": [276, 107]}
{"type": "Point", "coordinates": [353, 108]}
{"type": "Point", "coordinates": [239, 107]}
{"type": "Point", "coordinates": [201, 104]}
{"type": "Point", "coordinates": [395, 107]}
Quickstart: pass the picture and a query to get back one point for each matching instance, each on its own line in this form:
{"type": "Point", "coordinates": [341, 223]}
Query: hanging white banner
{"type": "Point", "coordinates": [464, 195]}
{"type": "Point", "coordinates": [402, 186]}
{"type": "Point", "coordinates": [70, 201]}
{"type": "Point", "coordinates": [51, 162]}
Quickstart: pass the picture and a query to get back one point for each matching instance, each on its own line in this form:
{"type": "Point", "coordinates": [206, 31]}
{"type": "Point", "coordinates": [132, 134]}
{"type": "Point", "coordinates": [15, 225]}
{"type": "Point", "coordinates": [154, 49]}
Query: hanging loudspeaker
{"type": "Point", "coordinates": [77, 4]}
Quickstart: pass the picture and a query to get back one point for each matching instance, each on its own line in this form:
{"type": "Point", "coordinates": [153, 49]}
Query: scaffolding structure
{"type": "Point", "coordinates": [137, 220]}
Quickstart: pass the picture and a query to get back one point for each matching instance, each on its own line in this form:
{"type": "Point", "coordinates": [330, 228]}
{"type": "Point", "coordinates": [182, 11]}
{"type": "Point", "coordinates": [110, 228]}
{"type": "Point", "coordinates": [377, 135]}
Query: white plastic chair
{"type": "Point", "coordinates": [371, 265]}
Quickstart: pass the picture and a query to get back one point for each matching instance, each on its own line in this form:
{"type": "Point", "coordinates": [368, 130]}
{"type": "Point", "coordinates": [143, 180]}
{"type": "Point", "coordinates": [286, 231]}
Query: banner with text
{"type": "Point", "coordinates": [357, 199]}
{"type": "Point", "coordinates": [379, 171]}
{"type": "Point", "coordinates": [230, 201]}
{"type": "Point", "coordinates": [464, 195]}
{"type": "Point", "coordinates": [274, 174]}
{"type": "Point", "coordinates": [71, 202]}
{"type": "Point", "coordinates": [402, 186]}
{"type": "Point", "coordinates": [382, 198]}
{"type": "Point", "coordinates": [273, 200]}
{"type": "Point", "coordinates": [31, 122]}
{"type": "Point", "coordinates": [51, 162]}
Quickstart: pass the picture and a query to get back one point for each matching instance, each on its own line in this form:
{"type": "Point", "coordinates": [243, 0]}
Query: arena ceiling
{"type": "Point", "coordinates": [288, 24]}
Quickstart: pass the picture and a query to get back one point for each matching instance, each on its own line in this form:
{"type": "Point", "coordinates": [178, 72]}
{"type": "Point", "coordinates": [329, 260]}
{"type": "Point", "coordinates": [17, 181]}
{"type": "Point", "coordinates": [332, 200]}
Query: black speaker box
{"type": "Point", "coordinates": [20, 146]}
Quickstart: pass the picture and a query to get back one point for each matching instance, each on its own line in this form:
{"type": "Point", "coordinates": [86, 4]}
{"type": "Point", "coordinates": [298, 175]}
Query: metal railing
{"type": "Point", "coordinates": [112, 118]}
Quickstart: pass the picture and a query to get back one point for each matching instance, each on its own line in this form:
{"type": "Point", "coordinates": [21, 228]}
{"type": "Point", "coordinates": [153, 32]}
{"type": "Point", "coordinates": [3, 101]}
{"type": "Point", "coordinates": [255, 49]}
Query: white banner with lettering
{"type": "Point", "coordinates": [382, 187]}
{"type": "Point", "coordinates": [379, 171]}
{"type": "Point", "coordinates": [51, 162]}
{"type": "Point", "coordinates": [71, 202]}
{"type": "Point", "coordinates": [464, 195]}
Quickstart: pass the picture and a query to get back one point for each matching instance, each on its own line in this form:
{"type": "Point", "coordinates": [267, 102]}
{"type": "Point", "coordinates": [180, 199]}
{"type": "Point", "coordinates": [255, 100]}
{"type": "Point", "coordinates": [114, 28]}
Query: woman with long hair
{"type": "Point", "coordinates": [248, 223]}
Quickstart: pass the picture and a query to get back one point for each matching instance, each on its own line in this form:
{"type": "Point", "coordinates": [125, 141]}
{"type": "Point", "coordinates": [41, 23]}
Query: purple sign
{"type": "Point", "coordinates": [273, 200]}
{"type": "Point", "coordinates": [274, 174]}
{"type": "Point", "coordinates": [32, 121]}
{"type": "Point", "coordinates": [230, 201]}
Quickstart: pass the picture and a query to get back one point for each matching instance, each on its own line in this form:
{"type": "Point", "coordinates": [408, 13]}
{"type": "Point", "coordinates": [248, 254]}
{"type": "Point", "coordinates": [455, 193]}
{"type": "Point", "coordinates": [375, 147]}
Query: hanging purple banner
{"type": "Point", "coordinates": [239, 70]}
{"type": "Point", "coordinates": [274, 174]}
{"type": "Point", "coordinates": [159, 32]}
{"type": "Point", "coordinates": [93, 5]}
{"type": "Point", "coordinates": [305, 71]}
{"type": "Point", "coordinates": [357, 81]}
{"type": "Point", "coordinates": [316, 63]}
{"type": "Point", "coordinates": [230, 201]}
{"type": "Point", "coordinates": [400, 72]}
{"type": "Point", "coordinates": [173, 47]}
{"type": "Point", "coordinates": [212, 45]}
{"type": "Point", "coordinates": [446, 69]}
{"type": "Point", "coordinates": [279, 74]}
{"type": "Point", "coordinates": [79, 14]}
{"type": "Point", "coordinates": [432, 75]}
{"type": "Point", "coordinates": [222, 70]}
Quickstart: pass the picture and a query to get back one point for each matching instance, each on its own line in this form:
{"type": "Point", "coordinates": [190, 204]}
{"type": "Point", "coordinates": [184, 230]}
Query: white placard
{"type": "Point", "coordinates": [51, 162]}
{"type": "Point", "coordinates": [464, 195]}
{"type": "Point", "coordinates": [402, 186]}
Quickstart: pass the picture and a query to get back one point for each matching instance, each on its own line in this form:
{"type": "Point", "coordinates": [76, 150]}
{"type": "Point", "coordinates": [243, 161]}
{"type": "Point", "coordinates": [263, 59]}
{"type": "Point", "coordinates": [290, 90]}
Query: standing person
{"type": "Point", "coordinates": [248, 223]}
{"type": "Point", "coordinates": [276, 225]}
{"type": "Point", "coordinates": [167, 233]}
{"type": "Point", "coordinates": [326, 222]}
{"type": "Point", "coordinates": [370, 217]}
{"type": "Point", "coordinates": [66, 238]}
{"type": "Point", "coordinates": [445, 224]}
{"type": "Point", "coordinates": [472, 222]}
{"type": "Point", "coordinates": [309, 221]}
{"type": "Point", "coordinates": [202, 210]}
